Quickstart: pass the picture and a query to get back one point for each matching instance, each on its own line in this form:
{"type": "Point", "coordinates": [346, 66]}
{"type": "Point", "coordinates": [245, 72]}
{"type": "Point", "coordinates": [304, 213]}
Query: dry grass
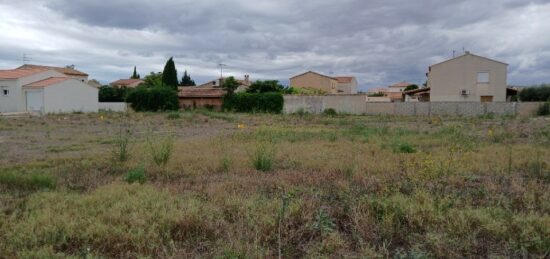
{"type": "Point", "coordinates": [337, 186]}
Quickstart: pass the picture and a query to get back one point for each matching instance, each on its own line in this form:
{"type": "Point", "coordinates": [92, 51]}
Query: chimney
{"type": "Point", "coordinates": [247, 79]}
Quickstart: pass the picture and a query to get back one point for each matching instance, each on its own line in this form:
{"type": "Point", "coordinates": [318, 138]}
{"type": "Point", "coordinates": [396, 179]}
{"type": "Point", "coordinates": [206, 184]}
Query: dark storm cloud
{"type": "Point", "coordinates": [380, 42]}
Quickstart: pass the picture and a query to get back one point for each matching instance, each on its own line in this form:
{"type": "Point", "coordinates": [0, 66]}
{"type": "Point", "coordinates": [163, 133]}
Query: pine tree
{"type": "Point", "coordinates": [186, 80]}
{"type": "Point", "coordinates": [135, 75]}
{"type": "Point", "coordinates": [170, 74]}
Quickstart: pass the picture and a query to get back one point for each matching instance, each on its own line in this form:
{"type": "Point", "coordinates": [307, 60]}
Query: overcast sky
{"type": "Point", "coordinates": [378, 41]}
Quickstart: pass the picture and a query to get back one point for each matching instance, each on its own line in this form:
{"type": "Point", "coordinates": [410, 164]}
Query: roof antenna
{"type": "Point", "coordinates": [26, 57]}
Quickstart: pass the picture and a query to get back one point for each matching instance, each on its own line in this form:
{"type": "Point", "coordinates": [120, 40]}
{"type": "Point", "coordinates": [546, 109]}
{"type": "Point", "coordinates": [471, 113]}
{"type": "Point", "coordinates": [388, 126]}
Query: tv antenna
{"type": "Point", "coordinates": [25, 58]}
{"type": "Point", "coordinates": [221, 65]}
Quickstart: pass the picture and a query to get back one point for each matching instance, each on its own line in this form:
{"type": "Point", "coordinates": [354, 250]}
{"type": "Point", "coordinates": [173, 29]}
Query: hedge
{"type": "Point", "coordinates": [110, 94]}
{"type": "Point", "coordinates": [254, 102]}
{"type": "Point", "coordinates": [153, 99]}
{"type": "Point", "coordinates": [535, 94]}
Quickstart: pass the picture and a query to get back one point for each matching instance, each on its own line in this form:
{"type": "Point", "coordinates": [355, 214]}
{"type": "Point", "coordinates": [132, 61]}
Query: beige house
{"type": "Point", "coordinates": [468, 78]}
{"type": "Point", "coordinates": [330, 85]}
{"type": "Point", "coordinates": [346, 84]}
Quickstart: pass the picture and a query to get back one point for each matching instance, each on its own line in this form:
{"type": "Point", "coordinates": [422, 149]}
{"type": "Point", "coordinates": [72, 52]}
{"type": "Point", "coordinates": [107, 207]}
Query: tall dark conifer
{"type": "Point", "coordinates": [135, 75]}
{"type": "Point", "coordinates": [170, 74]}
{"type": "Point", "coordinates": [186, 80]}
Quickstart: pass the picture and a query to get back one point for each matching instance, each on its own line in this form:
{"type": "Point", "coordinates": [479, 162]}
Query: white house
{"type": "Point", "coordinates": [31, 88]}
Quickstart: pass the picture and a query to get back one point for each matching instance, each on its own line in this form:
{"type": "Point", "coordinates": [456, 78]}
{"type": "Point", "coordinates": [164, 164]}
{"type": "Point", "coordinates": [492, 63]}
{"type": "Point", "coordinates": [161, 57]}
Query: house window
{"type": "Point", "coordinates": [483, 77]}
{"type": "Point", "coordinates": [5, 91]}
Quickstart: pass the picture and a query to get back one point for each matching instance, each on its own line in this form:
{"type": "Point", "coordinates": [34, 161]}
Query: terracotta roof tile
{"type": "Point", "coordinates": [19, 73]}
{"type": "Point", "coordinates": [46, 82]}
{"type": "Point", "coordinates": [126, 82]}
{"type": "Point", "coordinates": [64, 70]}
{"type": "Point", "coordinates": [401, 84]}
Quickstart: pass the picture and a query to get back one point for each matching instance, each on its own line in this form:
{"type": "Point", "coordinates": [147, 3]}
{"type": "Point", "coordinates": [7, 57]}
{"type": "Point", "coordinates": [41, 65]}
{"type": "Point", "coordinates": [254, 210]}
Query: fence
{"type": "Point", "coordinates": [356, 104]}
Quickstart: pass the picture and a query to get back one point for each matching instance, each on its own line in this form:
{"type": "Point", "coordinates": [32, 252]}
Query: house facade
{"type": "Point", "coordinates": [201, 97]}
{"type": "Point", "coordinates": [346, 84]}
{"type": "Point", "coordinates": [468, 78]}
{"type": "Point", "coordinates": [327, 84]}
{"type": "Point", "coordinates": [43, 89]}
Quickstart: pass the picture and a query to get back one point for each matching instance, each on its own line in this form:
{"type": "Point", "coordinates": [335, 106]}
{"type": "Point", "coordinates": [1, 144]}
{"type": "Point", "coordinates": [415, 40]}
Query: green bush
{"type": "Point", "coordinates": [112, 94]}
{"type": "Point", "coordinates": [136, 176]}
{"type": "Point", "coordinates": [27, 181]}
{"type": "Point", "coordinates": [160, 98]}
{"type": "Point", "coordinates": [254, 102]}
{"type": "Point", "coordinates": [535, 94]}
{"type": "Point", "coordinates": [330, 112]}
{"type": "Point", "coordinates": [544, 109]}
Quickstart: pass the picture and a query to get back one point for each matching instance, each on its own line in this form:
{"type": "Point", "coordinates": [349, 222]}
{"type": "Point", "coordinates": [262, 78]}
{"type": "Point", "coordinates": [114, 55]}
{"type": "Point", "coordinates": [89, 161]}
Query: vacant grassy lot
{"type": "Point", "coordinates": [203, 184]}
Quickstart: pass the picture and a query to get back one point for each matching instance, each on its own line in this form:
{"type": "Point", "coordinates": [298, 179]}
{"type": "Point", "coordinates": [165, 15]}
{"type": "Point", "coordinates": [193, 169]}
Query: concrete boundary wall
{"type": "Point", "coordinates": [356, 104]}
{"type": "Point", "coordinates": [113, 107]}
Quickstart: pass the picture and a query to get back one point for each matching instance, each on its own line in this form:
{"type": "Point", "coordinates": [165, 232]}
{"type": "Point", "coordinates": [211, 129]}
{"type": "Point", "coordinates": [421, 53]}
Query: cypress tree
{"type": "Point", "coordinates": [186, 80]}
{"type": "Point", "coordinates": [135, 75]}
{"type": "Point", "coordinates": [170, 74]}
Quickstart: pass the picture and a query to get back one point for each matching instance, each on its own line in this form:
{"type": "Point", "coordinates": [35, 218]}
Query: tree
{"type": "Point", "coordinates": [135, 75]}
{"type": "Point", "coordinates": [230, 84]}
{"type": "Point", "coordinates": [153, 80]}
{"type": "Point", "coordinates": [170, 74]}
{"type": "Point", "coordinates": [186, 80]}
{"type": "Point", "coordinates": [411, 87]}
{"type": "Point", "coordinates": [268, 86]}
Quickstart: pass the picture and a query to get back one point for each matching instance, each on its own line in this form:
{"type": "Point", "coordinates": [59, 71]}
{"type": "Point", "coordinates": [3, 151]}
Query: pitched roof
{"type": "Point", "coordinates": [46, 82]}
{"type": "Point", "coordinates": [419, 90]}
{"type": "Point", "coordinates": [64, 70]}
{"type": "Point", "coordinates": [401, 84]}
{"type": "Point", "coordinates": [344, 79]}
{"type": "Point", "coordinates": [196, 92]}
{"type": "Point", "coordinates": [126, 82]}
{"type": "Point", "coordinates": [19, 73]}
{"type": "Point", "coordinates": [313, 73]}
{"type": "Point", "coordinates": [468, 54]}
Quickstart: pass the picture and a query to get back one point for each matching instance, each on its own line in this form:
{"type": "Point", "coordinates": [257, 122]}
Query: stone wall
{"type": "Point", "coordinates": [356, 104]}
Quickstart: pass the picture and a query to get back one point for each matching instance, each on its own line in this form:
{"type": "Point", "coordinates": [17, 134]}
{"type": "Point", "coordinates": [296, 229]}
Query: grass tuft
{"type": "Point", "coordinates": [136, 175]}
{"type": "Point", "coordinates": [263, 157]}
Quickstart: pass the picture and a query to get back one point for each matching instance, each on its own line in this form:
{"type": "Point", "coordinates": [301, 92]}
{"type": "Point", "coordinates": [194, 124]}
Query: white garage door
{"type": "Point", "coordinates": [35, 101]}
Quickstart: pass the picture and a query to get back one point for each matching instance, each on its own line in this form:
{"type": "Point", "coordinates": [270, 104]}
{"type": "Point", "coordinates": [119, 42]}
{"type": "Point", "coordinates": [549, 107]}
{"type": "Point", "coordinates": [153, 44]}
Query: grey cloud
{"type": "Point", "coordinates": [378, 41]}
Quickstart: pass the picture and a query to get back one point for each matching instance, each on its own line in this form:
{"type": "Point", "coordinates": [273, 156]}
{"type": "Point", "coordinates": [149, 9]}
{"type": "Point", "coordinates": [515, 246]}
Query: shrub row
{"type": "Point", "coordinates": [254, 102]}
{"type": "Point", "coordinates": [535, 94]}
{"type": "Point", "coordinates": [111, 94]}
{"type": "Point", "coordinates": [153, 99]}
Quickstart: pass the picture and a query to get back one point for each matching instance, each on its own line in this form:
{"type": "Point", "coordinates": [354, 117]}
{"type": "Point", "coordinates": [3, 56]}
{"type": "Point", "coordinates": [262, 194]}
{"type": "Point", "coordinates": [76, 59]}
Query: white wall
{"type": "Point", "coordinates": [16, 101]}
{"type": "Point", "coordinates": [113, 107]}
{"type": "Point", "coordinates": [11, 102]}
{"type": "Point", "coordinates": [70, 96]}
